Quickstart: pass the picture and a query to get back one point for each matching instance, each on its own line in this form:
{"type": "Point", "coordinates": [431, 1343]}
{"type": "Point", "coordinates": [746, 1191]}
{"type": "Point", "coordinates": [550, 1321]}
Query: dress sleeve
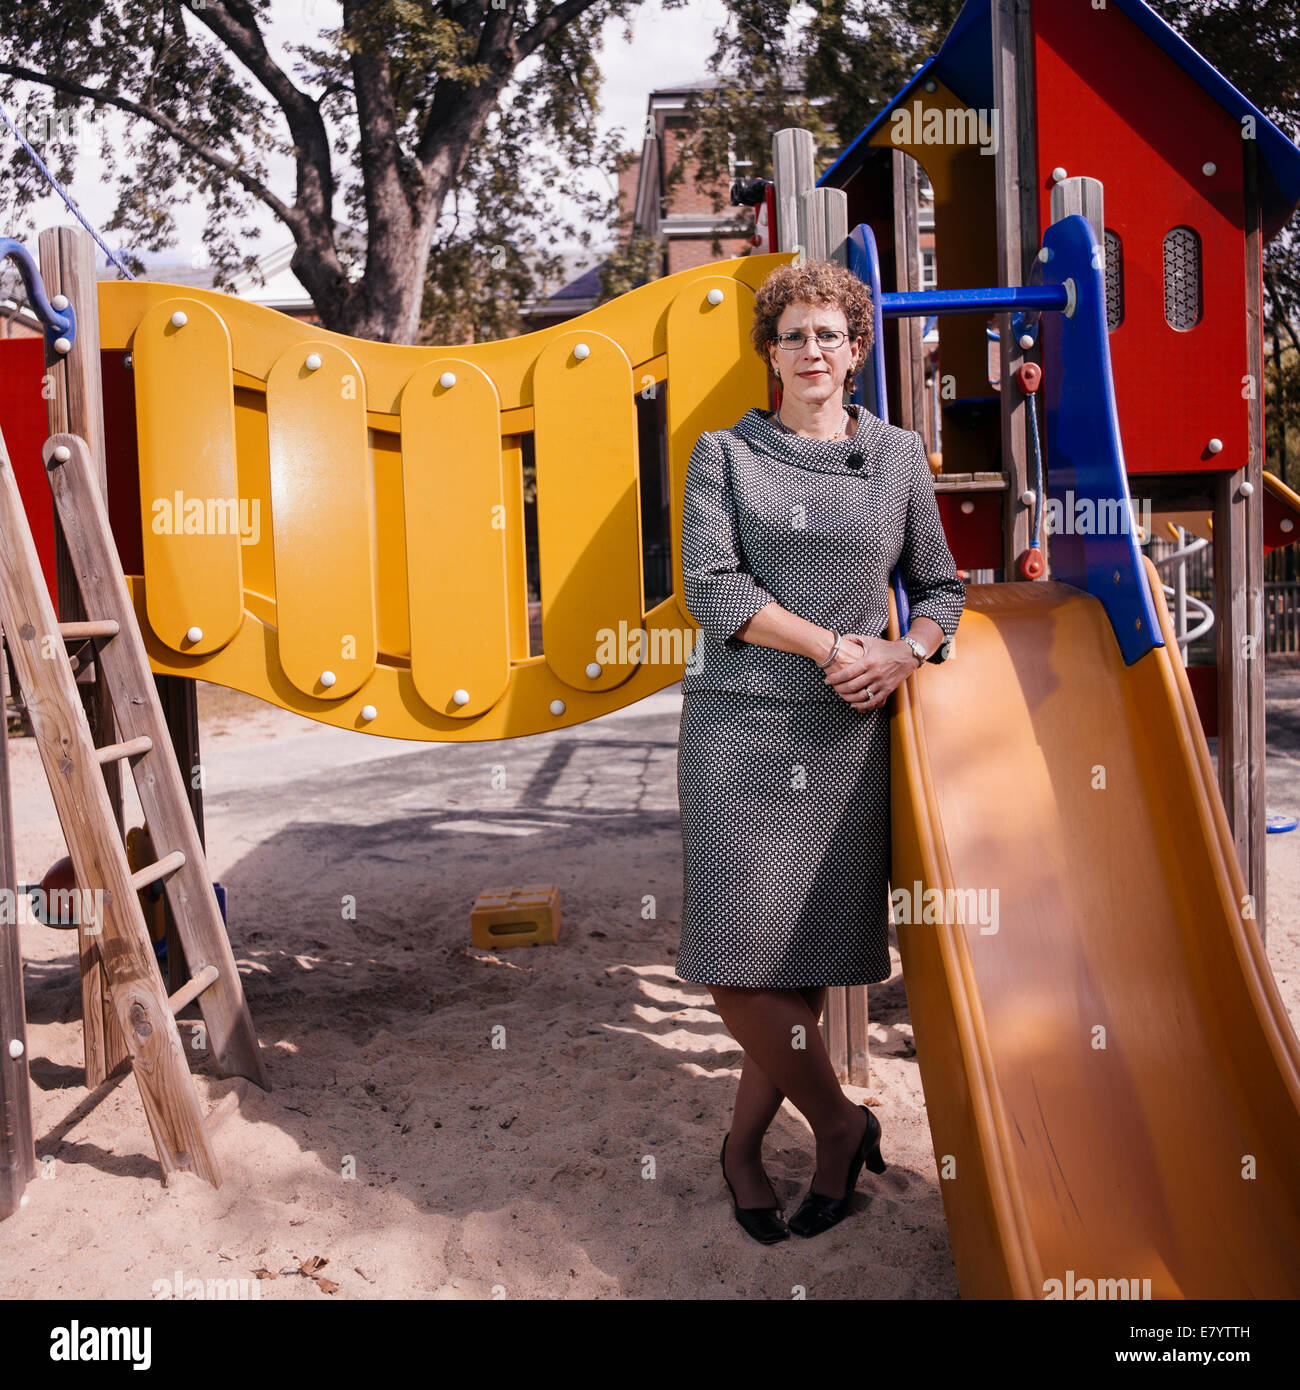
{"type": "Point", "coordinates": [719, 592]}
{"type": "Point", "coordinates": [929, 572]}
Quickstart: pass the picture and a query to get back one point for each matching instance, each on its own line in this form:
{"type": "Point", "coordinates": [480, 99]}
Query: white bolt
{"type": "Point", "coordinates": [327, 678]}
{"type": "Point", "coordinates": [930, 85]}
{"type": "Point", "coordinates": [1044, 253]}
{"type": "Point", "coordinates": [62, 345]}
{"type": "Point", "coordinates": [313, 362]}
{"type": "Point", "coordinates": [369, 712]}
{"type": "Point", "coordinates": [194, 634]}
{"type": "Point", "coordinates": [447, 380]}
{"type": "Point", "coordinates": [557, 706]}
{"type": "Point", "coordinates": [1287, 524]}
{"type": "Point", "coordinates": [180, 319]}
{"type": "Point", "coordinates": [581, 351]}
{"type": "Point", "coordinates": [1209, 168]}
{"type": "Point", "coordinates": [593, 670]}
{"type": "Point", "coordinates": [715, 296]}
{"type": "Point", "coordinates": [1059, 175]}
{"type": "Point", "coordinates": [60, 301]}
{"type": "Point", "coordinates": [1027, 498]}
{"type": "Point", "coordinates": [16, 1048]}
{"type": "Point", "coordinates": [1247, 489]}
{"type": "Point", "coordinates": [460, 697]}
{"type": "Point", "coordinates": [968, 507]}
{"type": "Point", "coordinates": [62, 453]}
{"type": "Point", "coordinates": [1215, 446]}
{"type": "Point", "coordinates": [1026, 340]}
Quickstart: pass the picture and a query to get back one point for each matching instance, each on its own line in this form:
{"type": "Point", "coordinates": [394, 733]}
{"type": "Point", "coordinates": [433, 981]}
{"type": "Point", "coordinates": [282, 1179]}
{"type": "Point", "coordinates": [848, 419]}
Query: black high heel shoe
{"type": "Point", "coordinates": [763, 1223]}
{"type": "Point", "coordinates": [818, 1213]}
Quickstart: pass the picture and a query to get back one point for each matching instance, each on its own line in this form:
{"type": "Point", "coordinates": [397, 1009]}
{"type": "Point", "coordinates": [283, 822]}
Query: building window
{"type": "Point", "coordinates": [928, 278]}
{"type": "Point", "coordinates": [1182, 278]}
{"type": "Point", "coordinates": [925, 200]}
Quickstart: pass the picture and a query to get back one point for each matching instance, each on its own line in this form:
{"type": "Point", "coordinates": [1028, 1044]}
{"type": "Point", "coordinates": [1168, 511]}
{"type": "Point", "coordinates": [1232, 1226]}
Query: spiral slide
{"type": "Point", "coordinates": [1112, 1081]}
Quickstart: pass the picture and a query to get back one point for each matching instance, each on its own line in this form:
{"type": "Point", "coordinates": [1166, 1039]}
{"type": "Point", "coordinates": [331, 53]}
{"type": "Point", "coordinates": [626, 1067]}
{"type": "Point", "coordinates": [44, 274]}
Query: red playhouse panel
{"type": "Point", "coordinates": [1204, 681]}
{"type": "Point", "coordinates": [974, 536]}
{"type": "Point", "coordinates": [123, 462]}
{"type": "Point", "coordinates": [1281, 514]}
{"type": "Point", "coordinates": [1114, 107]}
{"type": "Point", "coordinates": [26, 427]}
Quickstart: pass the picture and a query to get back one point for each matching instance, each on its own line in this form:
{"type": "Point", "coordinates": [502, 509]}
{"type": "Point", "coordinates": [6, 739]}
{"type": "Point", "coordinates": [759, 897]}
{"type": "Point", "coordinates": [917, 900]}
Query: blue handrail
{"type": "Point", "coordinates": [60, 324]}
{"type": "Point", "coordinates": [911, 304]}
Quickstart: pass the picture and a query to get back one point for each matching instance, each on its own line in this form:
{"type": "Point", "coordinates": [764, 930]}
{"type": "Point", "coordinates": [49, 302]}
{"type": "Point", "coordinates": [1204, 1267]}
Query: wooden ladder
{"type": "Point", "coordinates": [146, 1016]}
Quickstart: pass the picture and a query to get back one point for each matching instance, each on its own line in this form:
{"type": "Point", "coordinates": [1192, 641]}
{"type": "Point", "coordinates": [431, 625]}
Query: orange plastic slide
{"type": "Point", "coordinates": [1112, 1081]}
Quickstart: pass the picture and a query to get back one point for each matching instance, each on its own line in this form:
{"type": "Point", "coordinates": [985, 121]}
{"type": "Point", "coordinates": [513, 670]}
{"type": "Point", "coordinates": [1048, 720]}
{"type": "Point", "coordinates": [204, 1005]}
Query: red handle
{"type": "Point", "coordinates": [1028, 375]}
{"type": "Point", "coordinates": [1031, 564]}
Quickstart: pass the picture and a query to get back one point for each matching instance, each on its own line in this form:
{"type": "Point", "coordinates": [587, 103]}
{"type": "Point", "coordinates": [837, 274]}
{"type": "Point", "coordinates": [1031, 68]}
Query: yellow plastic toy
{"type": "Point", "coordinates": [527, 916]}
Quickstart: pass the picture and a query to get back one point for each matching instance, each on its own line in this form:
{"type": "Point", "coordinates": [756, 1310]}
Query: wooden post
{"type": "Point", "coordinates": [178, 696]}
{"type": "Point", "coordinates": [1254, 865]}
{"type": "Point", "coordinates": [76, 406]}
{"type": "Point", "coordinates": [17, 1152]}
{"type": "Point", "coordinates": [793, 152]}
{"type": "Point", "coordinates": [815, 220]}
{"type": "Point", "coordinates": [1238, 548]}
{"type": "Point", "coordinates": [1017, 208]}
{"type": "Point", "coordinates": [824, 224]}
{"type": "Point", "coordinates": [907, 278]}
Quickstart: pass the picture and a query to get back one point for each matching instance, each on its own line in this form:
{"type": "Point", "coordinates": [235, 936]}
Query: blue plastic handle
{"type": "Point", "coordinates": [58, 323]}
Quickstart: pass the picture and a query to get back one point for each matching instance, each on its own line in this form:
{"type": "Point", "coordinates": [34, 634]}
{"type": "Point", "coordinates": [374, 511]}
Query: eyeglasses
{"type": "Point", "coordinates": [827, 338]}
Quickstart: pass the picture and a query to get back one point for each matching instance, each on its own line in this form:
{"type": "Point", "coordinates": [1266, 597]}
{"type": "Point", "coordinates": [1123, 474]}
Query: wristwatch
{"type": "Point", "coordinates": [917, 650]}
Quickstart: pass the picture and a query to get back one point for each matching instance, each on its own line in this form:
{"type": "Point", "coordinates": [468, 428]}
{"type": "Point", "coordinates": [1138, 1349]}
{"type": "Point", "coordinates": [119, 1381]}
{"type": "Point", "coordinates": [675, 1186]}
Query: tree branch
{"type": "Point", "coordinates": [458, 110]}
{"type": "Point", "coordinates": [388, 207]}
{"type": "Point", "coordinates": [549, 25]}
{"type": "Point", "coordinates": [235, 25]}
{"type": "Point", "coordinates": [290, 216]}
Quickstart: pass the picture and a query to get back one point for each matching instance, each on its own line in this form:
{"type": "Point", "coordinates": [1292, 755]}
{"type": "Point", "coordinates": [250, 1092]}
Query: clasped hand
{"type": "Point", "coordinates": [869, 664]}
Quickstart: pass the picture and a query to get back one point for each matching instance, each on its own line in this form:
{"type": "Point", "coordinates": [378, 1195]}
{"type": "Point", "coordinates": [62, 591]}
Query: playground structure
{"type": "Point", "coordinates": [380, 585]}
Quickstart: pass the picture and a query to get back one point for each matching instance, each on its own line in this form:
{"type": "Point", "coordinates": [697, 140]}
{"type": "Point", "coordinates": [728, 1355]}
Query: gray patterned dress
{"type": "Point", "coordinates": [783, 786]}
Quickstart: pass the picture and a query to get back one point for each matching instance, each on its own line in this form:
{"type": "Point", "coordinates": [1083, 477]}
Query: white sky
{"type": "Point", "coordinates": [667, 46]}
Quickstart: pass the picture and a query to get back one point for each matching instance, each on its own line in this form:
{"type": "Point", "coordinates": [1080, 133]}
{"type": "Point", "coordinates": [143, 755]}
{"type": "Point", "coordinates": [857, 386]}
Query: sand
{"type": "Point", "coordinates": [451, 1123]}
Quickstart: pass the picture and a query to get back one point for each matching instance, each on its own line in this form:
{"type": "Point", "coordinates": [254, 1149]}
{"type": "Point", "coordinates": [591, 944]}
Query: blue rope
{"type": "Point", "coordinates": [1037, 540]}
{"type": "Point", "coordinates": [63, 193]}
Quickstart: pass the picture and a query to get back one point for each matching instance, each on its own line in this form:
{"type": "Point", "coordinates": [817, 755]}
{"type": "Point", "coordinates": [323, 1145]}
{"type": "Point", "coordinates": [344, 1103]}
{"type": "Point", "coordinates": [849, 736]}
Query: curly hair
{"type": "Point", "coordinates": [814, 282]}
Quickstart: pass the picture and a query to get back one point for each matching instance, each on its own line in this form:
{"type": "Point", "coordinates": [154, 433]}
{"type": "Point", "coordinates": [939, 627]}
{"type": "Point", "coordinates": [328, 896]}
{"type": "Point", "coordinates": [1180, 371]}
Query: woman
{"type": "Point", "coordinates": [793, 521]}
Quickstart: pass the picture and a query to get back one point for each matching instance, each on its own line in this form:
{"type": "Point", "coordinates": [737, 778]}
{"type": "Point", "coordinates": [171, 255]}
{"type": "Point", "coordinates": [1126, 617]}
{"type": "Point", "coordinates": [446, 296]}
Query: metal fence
{"type": "Point", "coordinates": [1282, 616]}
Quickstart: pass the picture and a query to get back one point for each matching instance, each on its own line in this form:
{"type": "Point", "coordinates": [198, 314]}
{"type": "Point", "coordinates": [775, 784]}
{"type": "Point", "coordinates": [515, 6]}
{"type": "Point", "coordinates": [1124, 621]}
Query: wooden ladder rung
{"type": "Point", "coordinates": [151, 873]}
{"type": "Point", "coordinates": [221, 1112]}
{"type": "Point", "coordinates": [193, 987]}
{"type": "Point", "coordinates": [103, 627]}
{"type": "Point", "coordinates": [111, 752]}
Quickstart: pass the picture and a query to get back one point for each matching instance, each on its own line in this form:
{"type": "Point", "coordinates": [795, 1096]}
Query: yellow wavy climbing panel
{"type": "Point", "coordinates": [337, 526]}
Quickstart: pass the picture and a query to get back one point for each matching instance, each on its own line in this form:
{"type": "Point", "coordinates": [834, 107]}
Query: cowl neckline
{"type": "Point", "coordinates": [764, 434]}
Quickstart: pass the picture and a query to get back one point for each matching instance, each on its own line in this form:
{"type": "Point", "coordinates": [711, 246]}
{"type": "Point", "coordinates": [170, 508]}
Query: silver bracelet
{"type": "Point", "coordinates": [822, 665]}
